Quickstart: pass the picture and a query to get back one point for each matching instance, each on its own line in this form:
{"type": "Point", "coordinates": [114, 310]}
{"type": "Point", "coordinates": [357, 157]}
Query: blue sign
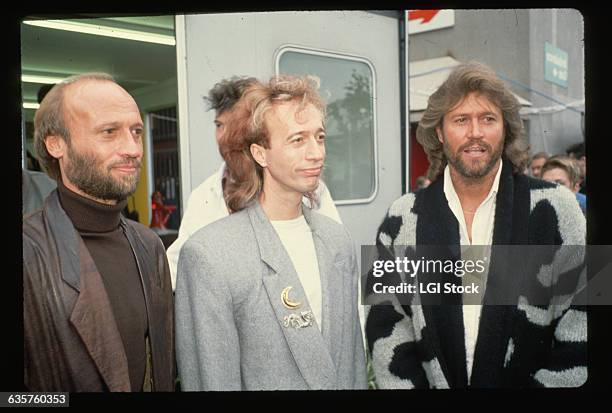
{"type": "Point", "coordinates": [555, 65]}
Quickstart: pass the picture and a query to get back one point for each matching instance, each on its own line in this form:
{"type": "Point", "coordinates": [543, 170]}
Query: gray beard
{"type": "Point", "coordinates": [86, 172]}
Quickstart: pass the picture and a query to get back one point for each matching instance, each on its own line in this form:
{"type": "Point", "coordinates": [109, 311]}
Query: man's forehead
{"type": "Point", "coordinates": [222, 117]}
{"type": "Point", "coordinates": [292, 112]}
{"type": "Point", "coordinates": [557, 172]}
{"type": "Point", "coordinates": [92, 97]}
{"type": "Point", "coordinates": [476, 100]}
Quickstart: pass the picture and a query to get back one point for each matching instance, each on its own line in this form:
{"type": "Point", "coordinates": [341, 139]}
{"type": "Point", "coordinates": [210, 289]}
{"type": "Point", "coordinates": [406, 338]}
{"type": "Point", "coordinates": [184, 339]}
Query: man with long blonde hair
{"type": "Point", "coordinates": [207, 202]}
{"type": "Point", "coordinates": [473, 136]}
{"type": "Point", "coordinates": [266, 298]}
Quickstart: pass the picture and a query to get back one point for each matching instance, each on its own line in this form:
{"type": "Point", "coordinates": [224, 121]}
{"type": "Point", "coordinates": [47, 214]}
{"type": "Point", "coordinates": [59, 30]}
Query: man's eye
{"type": "Point", "coordinates": [109, 131]}
{"type": "Point", "coordinates": [297, 139]}
{"type": "Point", "coordinates": [138, 131]}
{"type": "Point", "coordinates": [460, 120]}
{"type": "Point", "coordinates": [321, 137]}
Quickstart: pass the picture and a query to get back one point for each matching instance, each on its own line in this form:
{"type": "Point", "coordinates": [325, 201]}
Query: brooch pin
{"type": "Point", "coordinates": [291, 305]}
{"type": "Point", "coordinates": [303, 320]}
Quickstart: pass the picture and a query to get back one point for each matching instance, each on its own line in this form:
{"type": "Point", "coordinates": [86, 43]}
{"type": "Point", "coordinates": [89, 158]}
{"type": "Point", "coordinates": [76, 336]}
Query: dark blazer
{"type": "Point", "coordinates": [71, 339]}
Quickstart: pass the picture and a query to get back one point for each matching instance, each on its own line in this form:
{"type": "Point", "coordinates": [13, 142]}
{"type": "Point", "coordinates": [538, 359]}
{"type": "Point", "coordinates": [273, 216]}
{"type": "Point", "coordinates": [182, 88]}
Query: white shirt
{"type": "Point", "coordinates": [296, 236]}
{"type": "Point", "coordinates": [482, 234]}
{"type": "Point", "coordinates": [206, 204]}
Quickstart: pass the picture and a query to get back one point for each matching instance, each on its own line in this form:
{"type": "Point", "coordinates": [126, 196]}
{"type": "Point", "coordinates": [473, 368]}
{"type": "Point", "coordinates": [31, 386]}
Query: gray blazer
{"type": "Point", "coordinates": [230, 333]}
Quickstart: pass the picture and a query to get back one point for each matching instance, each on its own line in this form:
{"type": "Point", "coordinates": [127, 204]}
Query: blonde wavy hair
{"type": "Point", "coordinates": [464, 79]}
{"type": "Point", "coordinates": [246, 126]}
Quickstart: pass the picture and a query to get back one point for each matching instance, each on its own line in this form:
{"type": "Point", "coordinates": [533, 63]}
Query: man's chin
{"type": "Point", "coordinates": [312, 187]}
{"type": "Point", "coordinates": [116, 195]}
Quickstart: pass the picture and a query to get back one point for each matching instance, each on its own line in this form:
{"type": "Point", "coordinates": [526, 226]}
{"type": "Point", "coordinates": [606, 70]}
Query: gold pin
{"type": "Point", "coordinates": [292, 305]}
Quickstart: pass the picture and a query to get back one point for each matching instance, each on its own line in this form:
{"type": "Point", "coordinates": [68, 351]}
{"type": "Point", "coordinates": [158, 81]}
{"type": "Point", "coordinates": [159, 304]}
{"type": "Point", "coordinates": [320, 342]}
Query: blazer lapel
{"type": "Point", "coordinates": [92, 315]}
{"type": "Point", "coordinates": [307, 345]}
{"type": "Point", "coordinates": [333, 288]}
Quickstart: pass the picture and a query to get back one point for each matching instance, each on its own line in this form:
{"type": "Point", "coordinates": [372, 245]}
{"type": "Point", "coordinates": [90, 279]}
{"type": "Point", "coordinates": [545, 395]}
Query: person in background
{"type": "Point", "coordinates": [565, 171]}
{"type": "Point", "coordinates": [97, 299]}
{"type": "Point", "coordinates": [35, 185]}
{"type": "Point", "coordinates": [535, 166]}
{"type": "Point", "coordinates": [578, 153]}
{"type": "Point", "coordinates": [207, 202]}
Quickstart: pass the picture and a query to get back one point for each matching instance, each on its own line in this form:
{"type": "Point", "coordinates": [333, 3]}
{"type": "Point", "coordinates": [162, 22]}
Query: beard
{"type": "Point", "coordinates": [477, 168]}
{"type": "Point", "coordinates": [88, 173]}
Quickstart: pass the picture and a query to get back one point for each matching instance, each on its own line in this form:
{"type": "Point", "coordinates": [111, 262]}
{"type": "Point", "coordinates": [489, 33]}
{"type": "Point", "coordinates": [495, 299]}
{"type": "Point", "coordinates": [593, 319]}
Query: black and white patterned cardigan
{"type": "Point", "coordinates": [422, 346]}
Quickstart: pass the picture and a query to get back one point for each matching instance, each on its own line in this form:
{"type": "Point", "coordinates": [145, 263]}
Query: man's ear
{"type": "Point", "coordinates": [439, 133]}
{"type": "Point", "coordinates": [56, 146]}
{"type": "Point", "coordinates": [259, 154]}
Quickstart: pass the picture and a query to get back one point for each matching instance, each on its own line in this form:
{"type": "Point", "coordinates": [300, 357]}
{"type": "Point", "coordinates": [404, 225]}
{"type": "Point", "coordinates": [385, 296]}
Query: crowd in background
{"type": "Point", "coordinates": [567, 169]}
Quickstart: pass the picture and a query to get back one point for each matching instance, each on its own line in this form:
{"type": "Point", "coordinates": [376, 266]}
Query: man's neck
{"type": "Point", "coordinates": [279, 204]}
{"type": "Point", "coordinates": [472, 191]}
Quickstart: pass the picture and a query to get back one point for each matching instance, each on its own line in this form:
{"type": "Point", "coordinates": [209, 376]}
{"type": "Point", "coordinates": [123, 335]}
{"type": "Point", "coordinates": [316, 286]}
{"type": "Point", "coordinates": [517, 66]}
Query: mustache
{"type": "Point", "coordinates": [133, 162]}
{"type": "Point", "coordinates": [482, 145]}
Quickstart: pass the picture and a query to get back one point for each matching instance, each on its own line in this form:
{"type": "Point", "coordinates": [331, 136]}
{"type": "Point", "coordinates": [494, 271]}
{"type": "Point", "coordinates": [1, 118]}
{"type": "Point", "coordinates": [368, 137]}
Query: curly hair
{"type": "Point", "coordinates": [465, 79]}
{"type": "Point", "coordinates": [224, 94]}
{"type": "Point", "coordinates": [49, 120]}
{"type": "Point", "coordinates": [247, 126]}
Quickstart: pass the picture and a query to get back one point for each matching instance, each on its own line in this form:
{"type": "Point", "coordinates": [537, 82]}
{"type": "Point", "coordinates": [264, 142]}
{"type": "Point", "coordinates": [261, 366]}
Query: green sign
{"type": "Point", "coordinates": [555, 65]}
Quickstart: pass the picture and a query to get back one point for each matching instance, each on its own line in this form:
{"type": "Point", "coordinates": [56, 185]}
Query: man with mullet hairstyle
{"type": "Point", "coordinates": [206, 203]}
{"type": "Point", "coordinates": [266, 298]}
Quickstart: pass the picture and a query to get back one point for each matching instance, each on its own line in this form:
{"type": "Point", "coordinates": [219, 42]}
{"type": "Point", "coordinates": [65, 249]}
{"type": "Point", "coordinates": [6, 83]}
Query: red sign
{"type": "Point", "coordinates": [426, 15]}
{"type": "Point", "coordinates": [425, 20]}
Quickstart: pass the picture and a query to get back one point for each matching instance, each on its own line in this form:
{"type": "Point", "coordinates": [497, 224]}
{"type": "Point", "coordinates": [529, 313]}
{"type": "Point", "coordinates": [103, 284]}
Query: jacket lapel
{"type": "Point", "coordinates": [92, 315]}
{"type": "Point", "coordinates": [503, 283]}
{"type": "Point", "coordinates": [332, 286]}
{"type": "Point", "coordinates": [307, 345]}
{"type": "Point", "coordinates": [437, 226]}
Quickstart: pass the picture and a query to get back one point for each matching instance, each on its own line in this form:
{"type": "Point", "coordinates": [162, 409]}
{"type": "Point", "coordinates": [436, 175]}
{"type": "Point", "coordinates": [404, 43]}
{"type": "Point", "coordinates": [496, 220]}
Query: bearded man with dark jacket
{"type": "Point", "coordinates": [97, 297]}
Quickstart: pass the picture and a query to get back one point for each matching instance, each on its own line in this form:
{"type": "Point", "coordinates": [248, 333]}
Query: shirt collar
{"type": "Point", "coordinates": [451, 194]}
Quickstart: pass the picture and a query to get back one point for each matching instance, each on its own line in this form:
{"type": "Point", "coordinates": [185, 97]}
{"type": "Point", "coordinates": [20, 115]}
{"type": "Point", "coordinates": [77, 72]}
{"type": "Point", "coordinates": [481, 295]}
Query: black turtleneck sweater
{"type": "Point", "coordinates": [98, 225]}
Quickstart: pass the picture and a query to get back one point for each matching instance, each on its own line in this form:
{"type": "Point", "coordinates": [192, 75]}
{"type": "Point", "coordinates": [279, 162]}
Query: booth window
{"type": "Point", "coordinates": [347, 86]}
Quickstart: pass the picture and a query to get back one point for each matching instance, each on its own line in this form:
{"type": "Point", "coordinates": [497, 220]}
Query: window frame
{"type": "Point", "coordinates": [353, 58]}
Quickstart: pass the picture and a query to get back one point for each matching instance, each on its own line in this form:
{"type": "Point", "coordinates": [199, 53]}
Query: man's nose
{"type": "Point", "coordinates": [475, 129]}
{"type": "Point", "coordinates": [315, 150]}
{"type": "Point", "coordinates": [131, 144]}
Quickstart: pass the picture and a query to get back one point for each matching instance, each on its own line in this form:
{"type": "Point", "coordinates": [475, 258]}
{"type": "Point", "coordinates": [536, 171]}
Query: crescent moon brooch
{"type": "Point", "coordinates": [291, 305]}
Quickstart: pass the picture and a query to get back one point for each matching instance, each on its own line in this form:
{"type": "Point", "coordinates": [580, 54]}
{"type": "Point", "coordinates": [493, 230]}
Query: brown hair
{"type": "Point", "coordinates": [566, 164]}
{"type": "Point", "coordinates": [463, 80]}
{"type": "Point", "coordinates": [246, 126]}
{"type": "Point", "coordinates": [224, 94]}
{"type": "Point", "coordinates": [540, 155]}
{"type": "Point", "coordinates": [49, 120]}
